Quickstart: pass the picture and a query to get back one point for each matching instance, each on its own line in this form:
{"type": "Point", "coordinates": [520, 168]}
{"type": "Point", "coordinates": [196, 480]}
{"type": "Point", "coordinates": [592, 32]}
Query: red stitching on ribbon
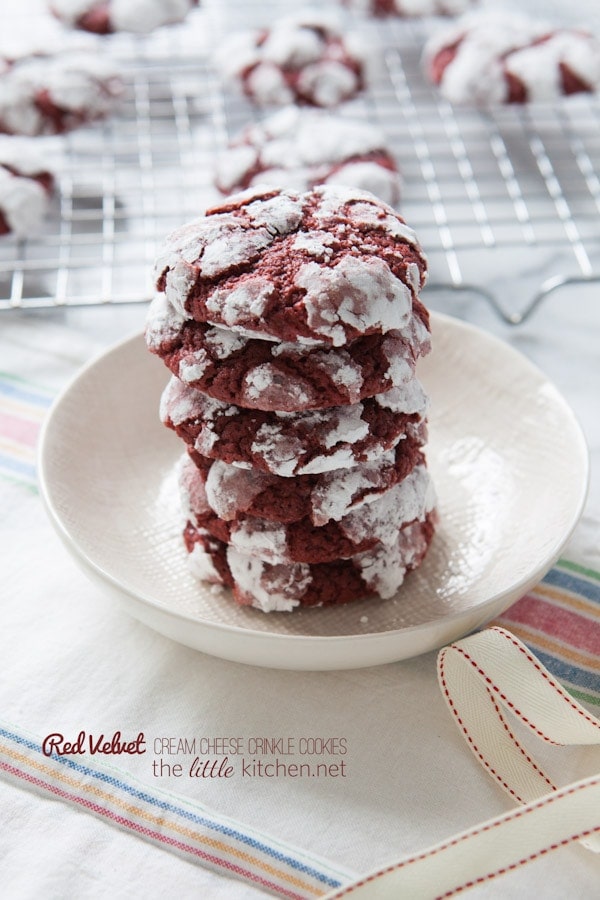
{"type": "Point", "coordinates": [484, 762]}
{"type": "Point", "coordinates": [521, 862]}
{"type": "Point", "coordinates": [549, 679]}
{"type": "Point", "coordinates": [517, 814]}
{"type": "Point", "coordinates": [502, 695]}
{"type": "Point", "coordinates": [518, 745]}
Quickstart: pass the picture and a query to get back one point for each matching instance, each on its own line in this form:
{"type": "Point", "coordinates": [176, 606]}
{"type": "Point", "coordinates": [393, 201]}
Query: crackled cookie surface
{"type": "Point", "coordinates": [377, 520]}
{"type": "Point", "coordinates": [25, 186]}
{"type": "Point", "coordinates": [294, 443]}
{"type": "Point", "coordinates": [232, 492]}
{"type": "Point", "coordinates": [488, 58]}
{"type": "Point", "coordinates": [288, 377]}
{"type": "Point", "coordinates": [377, 572]}
{"type": "Point", "coordinates": [51, 94]}
{"type": "Point", "coordinates": [300, 148]}
{"type": "Point", "coordinates": [326, 266]}
{"type": "Point", "coordinates": [410, 9]}
{"type": "Point", "coordinates": [107, 16]}
{"type": "Point", "coordinates": [300, 59]}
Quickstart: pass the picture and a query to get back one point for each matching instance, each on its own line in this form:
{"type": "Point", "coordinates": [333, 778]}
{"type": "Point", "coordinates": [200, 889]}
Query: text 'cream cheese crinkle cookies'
{"type": "Point", "coordinates": [108, 16]}
{"type": "Point", "coordinates": [490, 57]}
{"type": "Point", "coordinates": [302, 58]}
{"type": "Point", "coordinates": [292, 325]}
{"type": "Point", "coordinates": [300, 148]}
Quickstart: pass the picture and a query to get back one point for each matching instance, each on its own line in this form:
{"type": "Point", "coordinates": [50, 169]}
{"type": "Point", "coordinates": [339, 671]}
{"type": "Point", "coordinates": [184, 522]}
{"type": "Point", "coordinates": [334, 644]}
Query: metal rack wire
{"type": "Point", "coordinates": [481, 189]}
{"type": "Point", "coordinates": [488, 185]}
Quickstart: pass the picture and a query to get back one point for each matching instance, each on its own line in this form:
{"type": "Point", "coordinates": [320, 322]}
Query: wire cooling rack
{"type": "Point", "coordinates": [486, 192]}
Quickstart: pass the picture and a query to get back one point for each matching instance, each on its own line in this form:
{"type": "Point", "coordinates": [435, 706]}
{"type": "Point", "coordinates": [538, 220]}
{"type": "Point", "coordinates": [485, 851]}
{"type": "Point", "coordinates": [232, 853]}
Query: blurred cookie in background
{"type": "Point", "coordinates": [300, 148]}
{"type": "Point", "coordinates": [487, 58]}
{"type": "Point", "coordinates": [56, 92]}
{"type": "Point", "coordinates": [109, 16]}
{"type": "Point", "coordinates": [26, 185]}
{"type": "Point", "coordinates": [302, 58]}
{"type": "Point", "coordinates": [410, 9]}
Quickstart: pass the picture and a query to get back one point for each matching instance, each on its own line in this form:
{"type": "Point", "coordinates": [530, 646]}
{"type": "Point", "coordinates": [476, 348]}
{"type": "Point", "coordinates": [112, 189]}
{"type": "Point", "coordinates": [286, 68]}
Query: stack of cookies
{"type": "Point", "coordinates": [292, 325]}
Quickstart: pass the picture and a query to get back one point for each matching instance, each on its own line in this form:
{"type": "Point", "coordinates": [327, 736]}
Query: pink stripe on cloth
{"type": "Point", "coordinates": [22, 430]}
{"type": "Point", "coordinates": [578, 631]}
{"type": "Point", "coordinates": [148, 832]}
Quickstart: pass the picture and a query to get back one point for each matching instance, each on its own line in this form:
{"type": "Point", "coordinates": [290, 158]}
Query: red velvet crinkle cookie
{"type": "Point", "coordinates": [108, 16]}
{"type": "Point", "coordinates": [379, 571]}
{"type": "Point", "coordinates": [300, 148]}
{"type": "Point", "coordinates": [286, 377]}
{"type": "Point", "coordinates": [233, 492]}
{"type": "Point", "coordinates": [488, 58]}
{"type": "Point", "coordinates": [410, 9]}
{"type": "Point", "coordinates": [301, 58]}
{"type": "Point", "coordinates": [326, 266]}
{"type": "Point", "coordinates": [295, 443]}
{"type": "Point", "coordinates": [25, 186]}
{"type": "Point", "coordinates": [51, 94]}
{"type": "Point", "coordinates": [377, 520]}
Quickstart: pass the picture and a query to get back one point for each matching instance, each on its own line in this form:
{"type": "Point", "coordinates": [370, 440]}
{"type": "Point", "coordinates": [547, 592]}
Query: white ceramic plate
{"type": "Point", "coordinates": [507, 456]}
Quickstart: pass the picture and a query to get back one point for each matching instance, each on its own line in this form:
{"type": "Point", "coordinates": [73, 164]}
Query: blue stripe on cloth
{"type": "Point", "coordinates": [567, 672]}
{"type": "Point", "coordinates": [16, 466]}
{"type": "Point", "coordinates": [570, 582]}
{"type": "Point", "coordinates": [14, 389]}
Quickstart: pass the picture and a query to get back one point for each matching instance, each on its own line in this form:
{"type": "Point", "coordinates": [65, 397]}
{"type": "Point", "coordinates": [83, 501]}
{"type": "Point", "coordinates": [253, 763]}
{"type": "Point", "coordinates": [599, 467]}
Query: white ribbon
{"type": "Point", "coordinates": [484, 677]}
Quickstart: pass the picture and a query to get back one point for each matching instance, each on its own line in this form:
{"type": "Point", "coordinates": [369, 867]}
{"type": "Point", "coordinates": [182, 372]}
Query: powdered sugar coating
{"type": "Point", "coordinates": [192, 491]}
{"type": "Point", "coordinates": [282, 376]}
{"type": "Point", "coordinates": [262, 389]}
{"type": "Point", "coordinates": [270, 588]}
{"type": "Point", "coordinates": [229, 490]}
{"type": "Point", "coordinates": [163, 325]}
{"type": "Point", "coordinates": [232, 491]}
{"type": "Point", "coordinates": [379, 571]}
{"type": "Point", "coordinates": [383, 569]}
{"type": "Point", "coordinates": [301, 58]}
{"type": "Point", "coordinates": [300, 148]}
{"type": "Point", "coordinates": [202, 566]}
{"type": "Point", "coordinates": [25, 187]}
{"type": "Point", "coordinates": [373, 175]}
{"type": "Point", "coordinates": [411, 9]}
{"type": "Point", "coordinates": [338, 493]}
{"type": "Point", "coordinates": [252, 265]}
{"type": "Point", "coordinates": [52, 94]}
{"type": "Point", "coordinates": [285, 444]}
{"type": "Point", "coordinates": [490, 57]}
{"type": "Point", "coordinates": [362, 294]}
{"type": "Point", "coordinates": [375, 521]}
{"type": "Point", "coordinates": [407, 397]}
{"type": "Point", "coordinates": [107, 16]}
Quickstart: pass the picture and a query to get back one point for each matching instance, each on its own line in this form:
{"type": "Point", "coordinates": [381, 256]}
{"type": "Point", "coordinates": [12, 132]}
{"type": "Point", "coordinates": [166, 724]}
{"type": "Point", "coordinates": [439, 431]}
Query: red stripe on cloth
{"type": "Point", "coordinates": [147, 832]}
{"type": "Point", "coordinates": [578, 631]}
{"type": "Point", "coordinates": [21, 430]}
